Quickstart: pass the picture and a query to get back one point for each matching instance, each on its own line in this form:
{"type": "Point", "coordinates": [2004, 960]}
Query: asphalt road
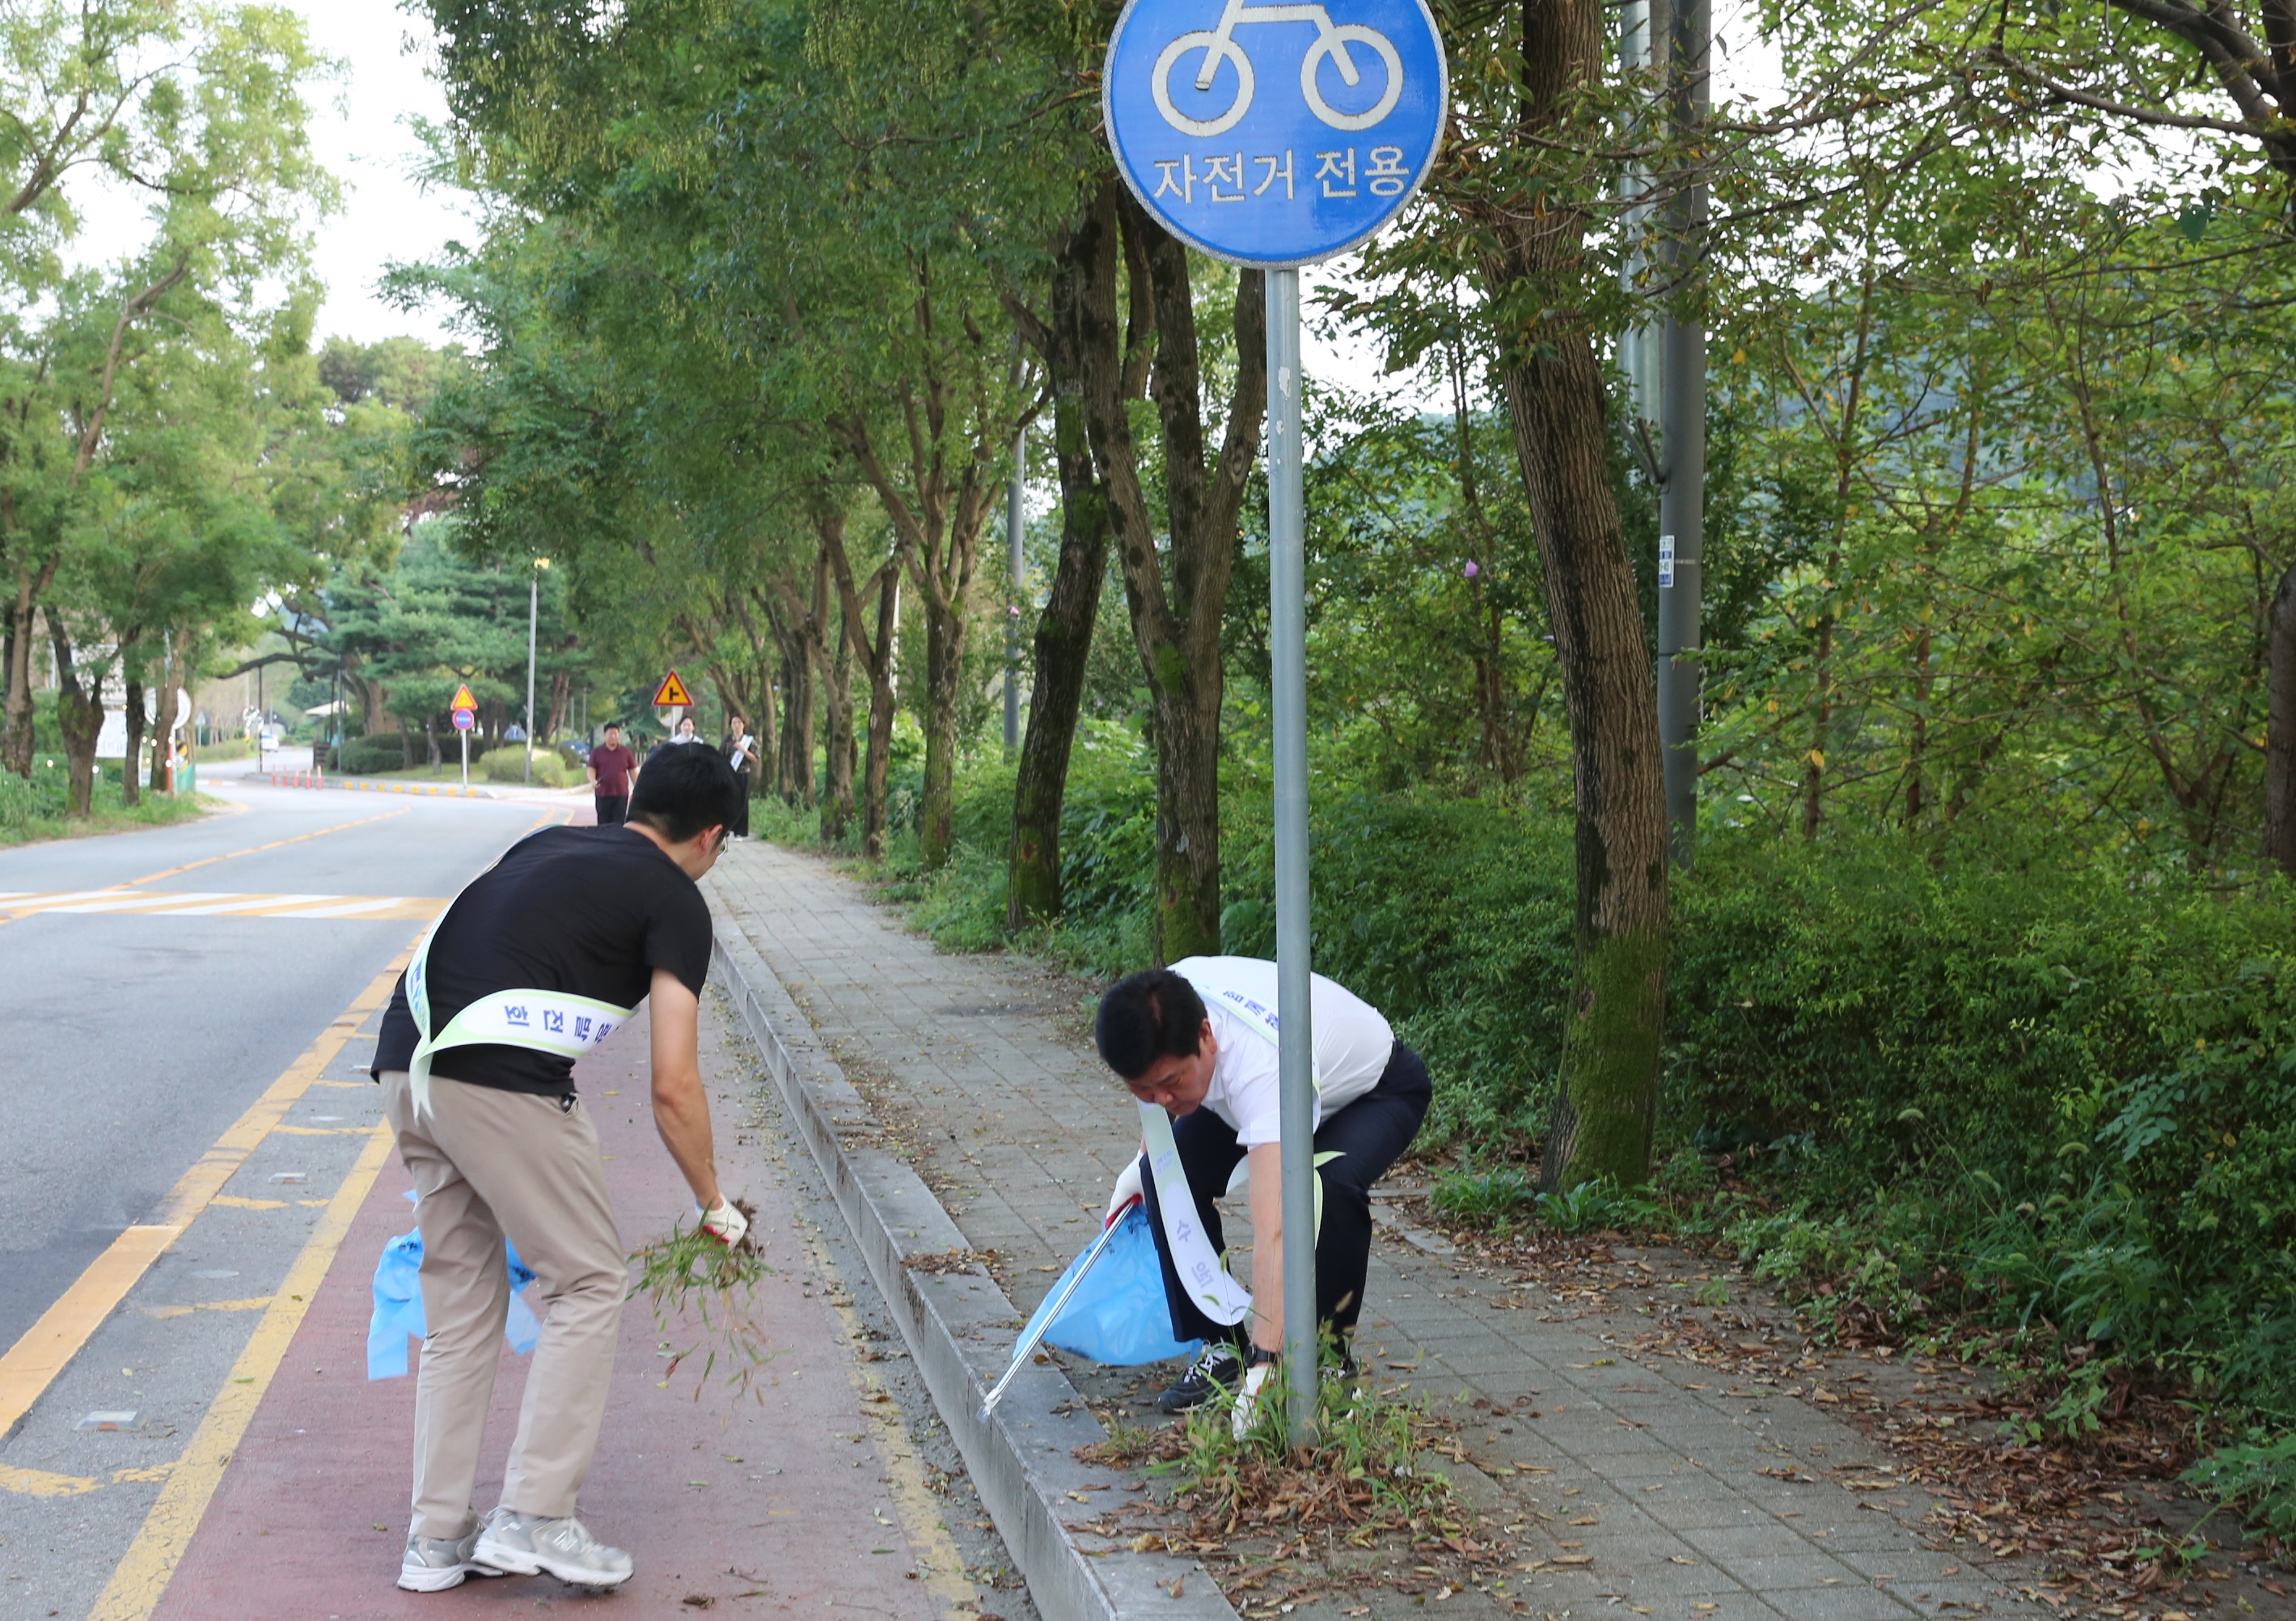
{"type": "Point", "coordinates": [130, 1040]}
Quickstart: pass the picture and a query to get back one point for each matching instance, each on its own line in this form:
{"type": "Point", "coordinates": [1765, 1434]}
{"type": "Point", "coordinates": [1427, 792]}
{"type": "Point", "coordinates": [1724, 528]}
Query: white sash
{"type": "Point", "coordinates": [1256, 1016]}
{"type": "Point", "coordinates": [1202, 1273]}
{"type": "Point", "coordinates": [552, 1022]}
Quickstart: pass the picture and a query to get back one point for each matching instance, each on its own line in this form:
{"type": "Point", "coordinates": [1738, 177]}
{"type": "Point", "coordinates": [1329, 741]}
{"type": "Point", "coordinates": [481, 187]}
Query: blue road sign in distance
{"type": "Point", "coordinates": [464, 719]}
{"type": "Point", "coordinates": [1275, 135]}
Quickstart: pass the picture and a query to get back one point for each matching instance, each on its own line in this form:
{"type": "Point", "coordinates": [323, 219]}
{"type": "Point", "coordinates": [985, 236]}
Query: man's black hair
{"type": "Point", "coordinates": [1153, 1014]}
{"type": "Point", "coordinates": [679, 792]}
{"type": "Point", "coordinates": [613, 726]}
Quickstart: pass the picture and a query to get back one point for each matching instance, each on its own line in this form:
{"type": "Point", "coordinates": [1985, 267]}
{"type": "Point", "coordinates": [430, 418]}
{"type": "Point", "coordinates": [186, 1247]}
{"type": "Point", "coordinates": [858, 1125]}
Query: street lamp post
{"type": "Point", "coordinates": [533, 613]}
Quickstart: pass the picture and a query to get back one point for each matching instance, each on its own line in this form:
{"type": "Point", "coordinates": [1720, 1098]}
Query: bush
{"type": "Point", "coordinates": [377, 751]}
{"type": "Point", "coordinates": [507, 764]}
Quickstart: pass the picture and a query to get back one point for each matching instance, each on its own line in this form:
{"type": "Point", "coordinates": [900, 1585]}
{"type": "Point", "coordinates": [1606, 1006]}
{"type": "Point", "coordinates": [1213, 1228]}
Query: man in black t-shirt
{"type": "Point", "coordinates": [539, 961]}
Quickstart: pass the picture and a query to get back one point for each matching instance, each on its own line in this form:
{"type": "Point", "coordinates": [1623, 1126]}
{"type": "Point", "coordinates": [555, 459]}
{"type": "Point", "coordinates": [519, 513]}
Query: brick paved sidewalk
{"type": "Point", "coordinates": [1694, 1499]}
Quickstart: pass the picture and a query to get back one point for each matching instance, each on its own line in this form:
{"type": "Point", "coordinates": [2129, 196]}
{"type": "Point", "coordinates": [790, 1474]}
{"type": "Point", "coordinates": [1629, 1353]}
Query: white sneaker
{"type": "Point", "coordinates": [433, 1564]}
{"type": "Point", "coordinates": [528, 1544]}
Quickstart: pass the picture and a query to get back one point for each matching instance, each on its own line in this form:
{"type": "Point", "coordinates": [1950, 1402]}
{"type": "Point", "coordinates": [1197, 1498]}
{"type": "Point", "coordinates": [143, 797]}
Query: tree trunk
{"type": "Point", "coordinates": [944, 634]}
{"type": "Point", "coordinates": [1064, 638]}
{"type": "Point", "coordinates": [880, 712]}
{"type": "Point", "coordinates": [163, 724]}
{"type": "Point", "coordinates": [2280, 730]}
{"type": "Point", "coordinates": [406, 744]}
{"type": "Point", "coordinates": [1606, 1095]}
{"type": "Point", "coordinates": [80, 717]}
{"type": "Point", "coordinates": [1177, 626]}
{"type": "Point", "coordinates": [815, 657]}
{"type": "Point", "coordinates": [837, 770]}
{"type": "Point", "coordinates": [23, 635]}
{"type": "Point", "coordinates": [131, 764]}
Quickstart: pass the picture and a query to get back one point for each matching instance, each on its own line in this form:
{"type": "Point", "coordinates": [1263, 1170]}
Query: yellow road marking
{"type": "Point", "coordinates": [142, 1576]}
{"type": "Point", "coordinates": [214, 903]}
{"type": "Point", "coordinates": [253, 1302]}
{"type": "Point", "coordinates": [232, 1201]}
{"type": "Point", "coordinates": [40, 1483]}
{"type": "Point", "coordinates": [32, 1364]}
{"type": "Point", "coordinates": [942, 1567]}
{"type": "Point", "coordinates": [232, 855]}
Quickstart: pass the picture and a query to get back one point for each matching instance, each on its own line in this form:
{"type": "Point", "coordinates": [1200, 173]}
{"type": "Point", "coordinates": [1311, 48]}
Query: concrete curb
{"type": "Point", "coordinates": [959, 1329]}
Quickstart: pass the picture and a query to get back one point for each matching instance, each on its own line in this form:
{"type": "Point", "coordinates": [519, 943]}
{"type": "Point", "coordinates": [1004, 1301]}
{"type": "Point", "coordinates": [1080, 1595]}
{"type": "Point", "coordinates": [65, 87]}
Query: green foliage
{"type": "Point", "coordinates": [2257, 1475]}
{"type": "Point", "coordinates": [507, 764]}
{"type": "Point", "coordinates": [376, 751]}
{"type": "Point", "coordinates": [1596, 1206]}
{"type": "Point", "coordinates": [1480, 1199]}
{"type": "Point", "coordinates": [34, 808]}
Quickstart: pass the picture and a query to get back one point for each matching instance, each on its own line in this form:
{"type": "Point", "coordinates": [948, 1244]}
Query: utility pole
{"type": "Point", "coordinates": [533, 616]}
{"type": "Point", "coordinates": [1686, 58]}
{"type": "Point", "coordinates": [1639, 347]}
{"type": "Point", "coordinates": [1017, 566]}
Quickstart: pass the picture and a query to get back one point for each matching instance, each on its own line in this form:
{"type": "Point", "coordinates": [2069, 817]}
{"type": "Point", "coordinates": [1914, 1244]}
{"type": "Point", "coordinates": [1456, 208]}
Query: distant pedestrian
{"type": "Point", "coordinates": [610, 768]}
{"type": "Point", "coordinates": [684, 732]}
{"type": "Point", "coordinates": [542, 957]}
{"type": "Point", "coordinates": [742, 754]}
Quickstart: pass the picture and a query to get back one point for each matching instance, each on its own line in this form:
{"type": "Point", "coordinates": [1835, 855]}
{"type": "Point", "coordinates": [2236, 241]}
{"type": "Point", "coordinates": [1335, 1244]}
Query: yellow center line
{"type": "Point", "coordinates": [45, 1348]}
{"type": "Point", "coordinates": [142, 1576]}
{"type": "Point", "coordinates": [258, 849]}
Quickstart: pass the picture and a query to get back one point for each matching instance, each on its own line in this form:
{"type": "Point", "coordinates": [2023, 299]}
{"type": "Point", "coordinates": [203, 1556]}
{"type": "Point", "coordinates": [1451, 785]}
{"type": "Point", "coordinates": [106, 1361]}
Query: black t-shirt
{"type": "Point", "coordinates": [589, 911]}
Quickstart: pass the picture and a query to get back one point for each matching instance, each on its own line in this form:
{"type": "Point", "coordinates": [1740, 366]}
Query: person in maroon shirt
{"type": "Point", "coordinates": [610, 765]}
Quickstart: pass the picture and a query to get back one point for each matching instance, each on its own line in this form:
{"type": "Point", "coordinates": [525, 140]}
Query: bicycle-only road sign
{"type": "Point", "coordinates": [1275, 135]}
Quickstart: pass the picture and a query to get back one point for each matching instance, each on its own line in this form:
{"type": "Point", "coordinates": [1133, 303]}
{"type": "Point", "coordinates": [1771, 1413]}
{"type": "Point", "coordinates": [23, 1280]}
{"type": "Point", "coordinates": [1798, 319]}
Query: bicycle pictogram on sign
{"type": "Point", "coordinates": [1332, 41]}
{"type": "Point", "coordinates": [1206, 131]}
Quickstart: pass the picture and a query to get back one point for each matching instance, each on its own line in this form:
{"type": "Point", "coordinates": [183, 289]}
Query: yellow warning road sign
{"type": "Point", "coordinates": [462, 699]}
{"type": "Point", "coordinates": [672, 694]}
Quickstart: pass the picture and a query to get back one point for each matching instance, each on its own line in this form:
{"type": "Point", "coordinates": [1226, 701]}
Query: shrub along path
{"type": "Point", "coordinates": [1622, 1441]}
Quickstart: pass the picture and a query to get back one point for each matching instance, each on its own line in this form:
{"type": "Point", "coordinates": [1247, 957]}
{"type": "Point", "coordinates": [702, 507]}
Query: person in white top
{"type": "Point", "coordinates": [1198, 1041]}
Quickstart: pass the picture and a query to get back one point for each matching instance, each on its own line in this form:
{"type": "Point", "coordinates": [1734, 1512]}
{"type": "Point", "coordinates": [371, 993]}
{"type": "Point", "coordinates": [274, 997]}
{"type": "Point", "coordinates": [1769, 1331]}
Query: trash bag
{"type": "Point", "coordinates": [1118, 1315]}
{"type": "Point", "coordinates": [399, 1307]}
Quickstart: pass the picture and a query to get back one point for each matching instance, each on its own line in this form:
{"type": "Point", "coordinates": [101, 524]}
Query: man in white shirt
{"type": "Point", "coordinates": [1198, 1041]}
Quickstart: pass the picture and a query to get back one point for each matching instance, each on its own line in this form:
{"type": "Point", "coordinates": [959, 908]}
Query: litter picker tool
{"type": "Point", "coordinates": [1047, 1315]}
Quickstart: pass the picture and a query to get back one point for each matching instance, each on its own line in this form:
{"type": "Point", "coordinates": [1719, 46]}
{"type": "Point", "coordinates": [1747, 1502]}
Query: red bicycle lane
{"type": "Point", "coordinates": [778, 1501]}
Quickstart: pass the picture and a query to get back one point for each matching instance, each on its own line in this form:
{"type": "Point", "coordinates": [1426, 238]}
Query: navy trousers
{"type": "Point", "coordinates": [1369, 1135]}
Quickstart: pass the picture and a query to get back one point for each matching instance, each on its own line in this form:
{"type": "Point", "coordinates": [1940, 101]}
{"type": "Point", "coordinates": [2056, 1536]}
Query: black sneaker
{"type": "Point", "coordinates": [1216, 1370]}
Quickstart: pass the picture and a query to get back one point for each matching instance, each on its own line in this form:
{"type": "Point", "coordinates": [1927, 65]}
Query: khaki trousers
{"type": "Point", "coordinates": [487, 1163]}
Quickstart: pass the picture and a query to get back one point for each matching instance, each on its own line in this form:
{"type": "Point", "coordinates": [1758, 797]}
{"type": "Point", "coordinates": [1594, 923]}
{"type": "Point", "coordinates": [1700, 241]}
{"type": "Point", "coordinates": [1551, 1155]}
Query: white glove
{"type": "Point", "coordinates": [1128, 1189]}
{"type": "Point", "coordinates": [723, 1222]}
{"type": "Point", "coordinates": [1247, 1400]}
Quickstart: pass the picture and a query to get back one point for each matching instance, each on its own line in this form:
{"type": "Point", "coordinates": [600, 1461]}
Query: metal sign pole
{"type": "Point", "coordinates": [1287, 648]}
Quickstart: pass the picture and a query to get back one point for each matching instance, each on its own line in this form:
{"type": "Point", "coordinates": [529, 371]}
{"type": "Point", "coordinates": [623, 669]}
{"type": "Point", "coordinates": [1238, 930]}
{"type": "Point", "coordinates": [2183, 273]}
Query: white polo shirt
{"type": "Point", "coordinates": [1353, 1043]}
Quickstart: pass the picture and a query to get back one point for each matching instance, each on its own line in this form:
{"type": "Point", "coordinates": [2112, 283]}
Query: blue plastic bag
{"type": "Point", "coordinates": [399, 1307]}
{"type": "Point", "coordinates": [1117, 1316]}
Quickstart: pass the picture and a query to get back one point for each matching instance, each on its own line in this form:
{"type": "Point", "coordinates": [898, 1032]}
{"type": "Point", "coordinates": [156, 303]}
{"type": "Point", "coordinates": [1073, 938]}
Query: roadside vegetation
{"type": "Point", "coordinates": [39, 808]}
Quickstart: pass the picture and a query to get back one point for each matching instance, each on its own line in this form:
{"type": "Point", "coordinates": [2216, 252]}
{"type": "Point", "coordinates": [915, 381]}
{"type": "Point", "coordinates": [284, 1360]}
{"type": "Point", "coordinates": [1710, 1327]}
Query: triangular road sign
{"type": "Point", "coordinates": [462, 699]}
{"type": "Point", "coordinates": [672, 694]}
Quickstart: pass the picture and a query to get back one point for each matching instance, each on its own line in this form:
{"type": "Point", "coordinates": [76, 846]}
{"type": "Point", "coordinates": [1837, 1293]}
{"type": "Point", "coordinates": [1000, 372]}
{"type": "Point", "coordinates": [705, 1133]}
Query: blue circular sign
{"type": "Point", "coordinates": [1275, 135]}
